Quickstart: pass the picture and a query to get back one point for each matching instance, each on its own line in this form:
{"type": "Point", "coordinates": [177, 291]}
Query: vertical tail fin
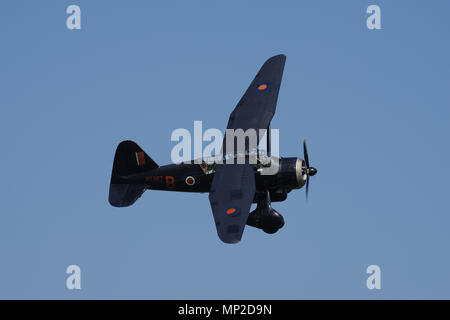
{"type": "Point", "coordinates": [129, 159]}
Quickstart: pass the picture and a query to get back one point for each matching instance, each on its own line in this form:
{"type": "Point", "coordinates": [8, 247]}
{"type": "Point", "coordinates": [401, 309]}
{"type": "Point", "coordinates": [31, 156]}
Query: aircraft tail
{"type": "Point", "coordinates": [129, 159]}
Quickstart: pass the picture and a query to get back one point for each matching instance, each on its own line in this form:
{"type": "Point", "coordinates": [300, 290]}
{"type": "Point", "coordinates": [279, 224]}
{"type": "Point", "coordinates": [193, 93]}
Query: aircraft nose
{"type": "Point", "coordinates": [312, 171]}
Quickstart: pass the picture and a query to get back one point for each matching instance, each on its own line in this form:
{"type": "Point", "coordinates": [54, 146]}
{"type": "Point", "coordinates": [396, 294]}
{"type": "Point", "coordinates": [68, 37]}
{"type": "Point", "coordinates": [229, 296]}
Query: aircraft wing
{"type": "Point", "coordinates": [233, 186]}
{"type": "Point", "coordinates": [231, 196]}
{"type": "Point", "coordinates": [257, 107]}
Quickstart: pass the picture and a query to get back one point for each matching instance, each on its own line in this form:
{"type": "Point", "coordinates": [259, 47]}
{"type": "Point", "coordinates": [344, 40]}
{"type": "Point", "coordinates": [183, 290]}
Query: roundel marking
{"type": "Point", "coordinates": [232, 211]}
{"type": "Point", "coordinates": [262, 86]}
{"type": "Point", "coordinates": [190, 181]}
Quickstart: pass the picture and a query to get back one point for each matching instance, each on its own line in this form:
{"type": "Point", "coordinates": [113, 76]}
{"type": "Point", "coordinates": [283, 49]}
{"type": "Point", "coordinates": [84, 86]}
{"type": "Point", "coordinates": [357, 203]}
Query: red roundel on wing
{"type": "Point", "coordinates": [262, 86]}
{"type": "Point", "coordinates": [232, 211]}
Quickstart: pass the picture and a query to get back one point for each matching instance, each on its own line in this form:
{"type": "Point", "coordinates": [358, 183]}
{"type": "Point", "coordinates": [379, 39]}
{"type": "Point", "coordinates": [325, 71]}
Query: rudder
{"type": "Point", "coordinates": [128, 159]}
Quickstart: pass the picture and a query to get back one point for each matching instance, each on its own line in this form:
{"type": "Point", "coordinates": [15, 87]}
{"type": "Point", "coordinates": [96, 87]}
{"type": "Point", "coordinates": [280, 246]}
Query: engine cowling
{"type": "Point", "coordinates": [291, 174]}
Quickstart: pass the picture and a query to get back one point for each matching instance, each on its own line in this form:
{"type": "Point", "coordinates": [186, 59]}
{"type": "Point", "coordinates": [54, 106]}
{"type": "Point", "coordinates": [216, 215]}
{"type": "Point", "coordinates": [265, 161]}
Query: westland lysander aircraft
{"type": "Point", "coordinates": [232, 187]}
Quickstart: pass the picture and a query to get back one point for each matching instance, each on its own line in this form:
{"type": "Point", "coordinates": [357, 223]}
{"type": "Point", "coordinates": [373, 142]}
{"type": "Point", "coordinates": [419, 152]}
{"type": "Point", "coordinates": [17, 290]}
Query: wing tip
{"type": "Point", "coordinates": [229, 240]}
{"type": "Point", "coordinates": [231, 235]}
{"type": "Point", "coordinates": [278, 57]}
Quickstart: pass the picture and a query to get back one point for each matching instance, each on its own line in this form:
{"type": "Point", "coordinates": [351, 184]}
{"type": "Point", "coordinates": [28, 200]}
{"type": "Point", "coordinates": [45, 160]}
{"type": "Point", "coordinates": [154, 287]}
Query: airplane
{"type": "Point", "coordinates": [232, 187]}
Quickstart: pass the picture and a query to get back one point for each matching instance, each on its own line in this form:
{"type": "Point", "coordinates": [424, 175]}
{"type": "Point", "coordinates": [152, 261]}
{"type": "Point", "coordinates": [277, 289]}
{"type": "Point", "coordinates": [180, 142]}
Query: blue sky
{"type": "Point", "coordinates": [373, 105]}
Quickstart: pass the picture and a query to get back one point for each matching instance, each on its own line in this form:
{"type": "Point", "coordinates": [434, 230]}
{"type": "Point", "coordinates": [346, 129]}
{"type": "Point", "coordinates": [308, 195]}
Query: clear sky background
{"type": "Point", "coordinates": [373, 105]}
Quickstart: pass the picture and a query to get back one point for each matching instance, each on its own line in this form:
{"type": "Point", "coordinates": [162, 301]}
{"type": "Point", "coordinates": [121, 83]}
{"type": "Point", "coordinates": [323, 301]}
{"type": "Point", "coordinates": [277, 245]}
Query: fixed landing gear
{"type": "Point", "coordinates": [264, 216]}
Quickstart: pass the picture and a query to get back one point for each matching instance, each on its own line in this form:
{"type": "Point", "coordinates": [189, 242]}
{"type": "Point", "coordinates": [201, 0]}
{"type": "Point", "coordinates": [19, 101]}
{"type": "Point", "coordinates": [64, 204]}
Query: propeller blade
{"type": "Point", "coordinates": [305, 153]}
{"type": "Point", "coordinates": [307, 187]}
{"type": "Point", "coordinates": [310, 171]}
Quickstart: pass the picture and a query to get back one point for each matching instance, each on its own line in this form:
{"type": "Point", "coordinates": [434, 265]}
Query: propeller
{"type": "Point", "coordinates": [310, 171]}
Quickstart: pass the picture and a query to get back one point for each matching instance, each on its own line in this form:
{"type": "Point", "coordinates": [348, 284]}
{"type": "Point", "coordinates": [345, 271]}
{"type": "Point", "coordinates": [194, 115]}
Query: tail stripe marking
{"type": "Point", "coordinates": [140, 158]}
